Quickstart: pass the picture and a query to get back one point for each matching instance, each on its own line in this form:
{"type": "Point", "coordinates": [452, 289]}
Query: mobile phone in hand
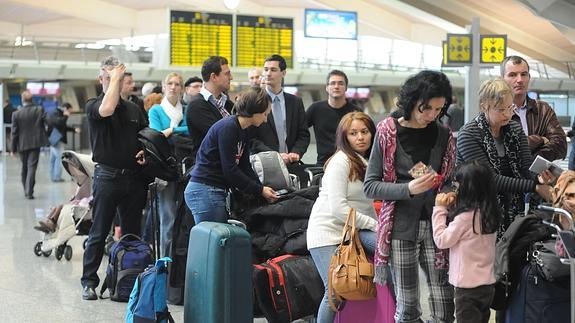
{"type": "Point", "coordinates": [282, 192]}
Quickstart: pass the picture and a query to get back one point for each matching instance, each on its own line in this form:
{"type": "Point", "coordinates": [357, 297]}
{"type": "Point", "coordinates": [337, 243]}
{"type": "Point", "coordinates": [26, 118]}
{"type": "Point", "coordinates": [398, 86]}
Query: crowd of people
{"type": "Point", "coordinates": [363, 162]}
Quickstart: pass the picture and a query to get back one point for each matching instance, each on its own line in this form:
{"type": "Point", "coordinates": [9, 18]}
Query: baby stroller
{"type": "Point", "coordinates": [72, 218]}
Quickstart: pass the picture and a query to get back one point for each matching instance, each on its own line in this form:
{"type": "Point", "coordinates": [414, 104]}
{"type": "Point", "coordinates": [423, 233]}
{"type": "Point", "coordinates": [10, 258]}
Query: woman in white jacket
{"type": "Point", "coordinates": [342, 189]}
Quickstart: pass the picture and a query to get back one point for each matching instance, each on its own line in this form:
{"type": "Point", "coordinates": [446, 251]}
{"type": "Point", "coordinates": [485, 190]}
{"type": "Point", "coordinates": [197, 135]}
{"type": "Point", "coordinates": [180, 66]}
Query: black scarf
{"type": "Point", "coordinates": [511, 144]}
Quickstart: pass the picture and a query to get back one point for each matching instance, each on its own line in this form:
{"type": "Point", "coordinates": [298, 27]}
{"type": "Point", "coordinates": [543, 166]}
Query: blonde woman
{"type": "Point", "coordinates": [498, 141]}
{"type": "Point", "coordinates": [168, 117]}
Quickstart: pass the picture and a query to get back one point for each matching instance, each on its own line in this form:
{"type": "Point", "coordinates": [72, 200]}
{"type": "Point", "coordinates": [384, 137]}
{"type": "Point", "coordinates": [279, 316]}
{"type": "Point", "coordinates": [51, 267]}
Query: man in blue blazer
{"type": "Point", "coordinates": [286, 130]}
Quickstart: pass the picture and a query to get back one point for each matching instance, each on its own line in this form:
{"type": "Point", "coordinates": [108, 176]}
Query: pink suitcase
{"type": "Point", "coordinates": [378, 310]}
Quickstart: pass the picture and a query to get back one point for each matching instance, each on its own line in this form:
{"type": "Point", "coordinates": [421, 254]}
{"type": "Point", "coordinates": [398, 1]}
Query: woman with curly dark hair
{"type": "Point", "coordinates": [404, 231]}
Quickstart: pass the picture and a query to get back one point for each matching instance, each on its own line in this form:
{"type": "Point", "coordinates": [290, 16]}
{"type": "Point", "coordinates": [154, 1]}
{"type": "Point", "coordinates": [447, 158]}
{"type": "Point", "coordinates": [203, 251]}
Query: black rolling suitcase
{"type": "Point", "coordinates": [537, 300]}
{"type": "Point", "coordinates": [179, 249]}
{"type": "Point", "coordinates": [287, 288]}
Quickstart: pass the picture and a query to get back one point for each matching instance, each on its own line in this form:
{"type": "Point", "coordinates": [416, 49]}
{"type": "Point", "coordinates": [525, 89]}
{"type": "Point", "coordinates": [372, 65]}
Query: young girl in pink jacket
{"type": "Point", "coordinates": [466, 222]}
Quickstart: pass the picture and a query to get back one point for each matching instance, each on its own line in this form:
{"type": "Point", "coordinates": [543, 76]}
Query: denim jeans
{"type": "Point", "coordinates": [112, 192]}
{"type": "Point", "coordinates": [322, 257]}
{"type": "Point", "coordinates": [167, 207]}
{"type": "Point", "coordinates": [207, 203]}
{"type": "Point", "coordinates": [56, 162]}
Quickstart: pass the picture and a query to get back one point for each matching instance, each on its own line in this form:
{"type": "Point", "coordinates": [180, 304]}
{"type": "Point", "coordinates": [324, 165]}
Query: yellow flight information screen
{"type": "Point", "coordinates": [195, 36]}
{"type": "Point", "coordinates": [260, 37]}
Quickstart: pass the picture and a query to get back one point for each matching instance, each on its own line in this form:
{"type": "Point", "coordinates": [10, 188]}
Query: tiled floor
{"type": "Point", "coordinates": [43, 289]}
{"type": "Point", "coordinates": [40, 289]}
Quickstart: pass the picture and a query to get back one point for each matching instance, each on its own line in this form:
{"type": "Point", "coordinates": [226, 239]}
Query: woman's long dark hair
{"type": "Point", "coordinates": [477, 192]}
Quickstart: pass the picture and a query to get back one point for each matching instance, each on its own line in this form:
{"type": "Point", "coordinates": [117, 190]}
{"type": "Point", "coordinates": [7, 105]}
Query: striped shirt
{"type": "Point", "coordinates": [470, 146]}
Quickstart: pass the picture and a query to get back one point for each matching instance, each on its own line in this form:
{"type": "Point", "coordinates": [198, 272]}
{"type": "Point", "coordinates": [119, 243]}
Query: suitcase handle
{"type": "Point", "coordinates": [238, 224]}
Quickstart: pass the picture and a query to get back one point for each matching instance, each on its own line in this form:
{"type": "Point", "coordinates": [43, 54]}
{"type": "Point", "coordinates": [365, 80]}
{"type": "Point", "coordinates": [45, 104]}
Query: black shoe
{"type": "Point", "coordinates": [89, 294]}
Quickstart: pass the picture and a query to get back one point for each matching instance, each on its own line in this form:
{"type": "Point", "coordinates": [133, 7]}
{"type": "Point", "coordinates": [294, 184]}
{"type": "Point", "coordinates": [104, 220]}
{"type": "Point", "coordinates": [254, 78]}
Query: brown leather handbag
{"type": "Point", "coordinates": [350, 275]}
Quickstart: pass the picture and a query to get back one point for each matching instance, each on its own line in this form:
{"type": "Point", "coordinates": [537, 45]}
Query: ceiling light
{"type": "Point", "coordinates": [231, 4]}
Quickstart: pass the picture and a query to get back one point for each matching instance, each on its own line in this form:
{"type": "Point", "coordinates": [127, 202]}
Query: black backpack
{"type": "Point", "coordinates": [511, 254]}
{"type": "Point", "coordinates": [128, 258]}
{"type": "Point", "coordinates": [160, 160]}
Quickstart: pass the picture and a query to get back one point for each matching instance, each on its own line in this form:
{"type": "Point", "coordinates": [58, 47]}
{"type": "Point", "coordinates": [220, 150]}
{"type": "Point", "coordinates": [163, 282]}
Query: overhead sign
{"type": "Point", "coordinates": [444, 48]}
{"type": "Point", "coordinates": [258, 37]}
{"type": "Point", "coordinates": [459, 49]}
{"type": "Point", "coordinates": [195, 36]}
{"type": "Point", "coordinates": [493, 48]}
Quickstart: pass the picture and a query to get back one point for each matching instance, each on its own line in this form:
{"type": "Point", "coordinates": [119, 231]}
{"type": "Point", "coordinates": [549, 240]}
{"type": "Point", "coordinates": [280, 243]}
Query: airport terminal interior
{"type": "Point", "coordinates": [54, 50]}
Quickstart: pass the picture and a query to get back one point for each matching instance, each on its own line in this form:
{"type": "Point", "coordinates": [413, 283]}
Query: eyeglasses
{"type": "Point", "coordinates": [509, 109]}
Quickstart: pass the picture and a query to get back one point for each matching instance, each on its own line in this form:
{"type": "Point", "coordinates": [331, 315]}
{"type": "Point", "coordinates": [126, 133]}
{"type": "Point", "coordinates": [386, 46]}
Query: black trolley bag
{"type": "Point", "coordinates": [180, 237]}
{"type": "Point", "coordinates": [545, 292]}
{"type": "Point", "coordinates": [543, 287]}
{"type": "Point", "coordinates": [287, 288]}
{"type": "Point", "coordinates": [179, 249]}
{"type": "Point", "coordinates": [537, 300]}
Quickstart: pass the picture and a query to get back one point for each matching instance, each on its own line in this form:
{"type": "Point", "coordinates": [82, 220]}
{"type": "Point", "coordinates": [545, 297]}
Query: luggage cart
{"type": "Point", "coordinates": [568, 239]}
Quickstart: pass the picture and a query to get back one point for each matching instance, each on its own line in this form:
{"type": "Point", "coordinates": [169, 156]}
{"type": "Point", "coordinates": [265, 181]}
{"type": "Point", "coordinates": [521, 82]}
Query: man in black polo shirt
{"type": "Point", "coordinates": [118, 186]}
{"type": "Point", "coordinates": [324, 116]}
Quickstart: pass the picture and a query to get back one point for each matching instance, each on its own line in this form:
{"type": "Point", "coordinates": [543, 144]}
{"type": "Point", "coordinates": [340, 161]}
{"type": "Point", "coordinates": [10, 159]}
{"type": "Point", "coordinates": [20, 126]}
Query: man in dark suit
{"type": "Point", "coordinates": [28, 135]}
{"type": "Point", "coordinates": [211, 104]}
{"type": "Point", "coordinates": [286, 130]}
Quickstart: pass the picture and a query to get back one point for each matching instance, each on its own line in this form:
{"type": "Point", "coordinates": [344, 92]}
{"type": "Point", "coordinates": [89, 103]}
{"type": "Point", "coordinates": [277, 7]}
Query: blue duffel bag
{"type": "Point", "coordinates": [148, 299]}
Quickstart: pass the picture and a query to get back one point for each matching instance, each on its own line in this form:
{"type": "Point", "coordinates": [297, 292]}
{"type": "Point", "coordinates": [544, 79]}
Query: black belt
{"type": "Point", "coordinates": [118, 171]}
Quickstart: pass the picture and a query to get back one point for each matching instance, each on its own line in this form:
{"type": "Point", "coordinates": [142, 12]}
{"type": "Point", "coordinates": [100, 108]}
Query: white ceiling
{"type": "Point", "coordinates": [424, 21]}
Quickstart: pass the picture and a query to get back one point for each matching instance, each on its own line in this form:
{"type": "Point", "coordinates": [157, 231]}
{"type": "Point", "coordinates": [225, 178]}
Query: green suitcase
{"type": "Point", "coordinates": [218, 275]}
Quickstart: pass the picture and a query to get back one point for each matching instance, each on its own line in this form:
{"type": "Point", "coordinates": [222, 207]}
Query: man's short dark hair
{"type": "Point", "coordinates": [66, 105]}
{"type": "Point", "coordinates": [279, 59]}
{"type": "Point", "coordinates": [338, 73]}
{"type": "Point", "coordinates": [515, 60]}
{"type": "Point", "coordinates": [127, 73]}
{"type": "Point", "coordinates": [213, 65]}
{"type": "Point", "coordinates": [193, 79]}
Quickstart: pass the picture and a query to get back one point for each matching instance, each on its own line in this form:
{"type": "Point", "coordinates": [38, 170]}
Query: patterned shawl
{"type": "Point", "coordinates": [511, 142]}
{"type": "Point", "coordinates": [388, 142]}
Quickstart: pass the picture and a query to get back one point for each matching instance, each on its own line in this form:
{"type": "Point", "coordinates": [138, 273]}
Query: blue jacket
{"type": "Point", "coordinates": [160, 121]}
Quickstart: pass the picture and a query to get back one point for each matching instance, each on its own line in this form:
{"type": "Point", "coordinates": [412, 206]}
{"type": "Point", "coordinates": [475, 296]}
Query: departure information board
{"type": "Point", "coordinates": [195, 36]}
{"type": "Point", "coordinates": [260, 37]}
